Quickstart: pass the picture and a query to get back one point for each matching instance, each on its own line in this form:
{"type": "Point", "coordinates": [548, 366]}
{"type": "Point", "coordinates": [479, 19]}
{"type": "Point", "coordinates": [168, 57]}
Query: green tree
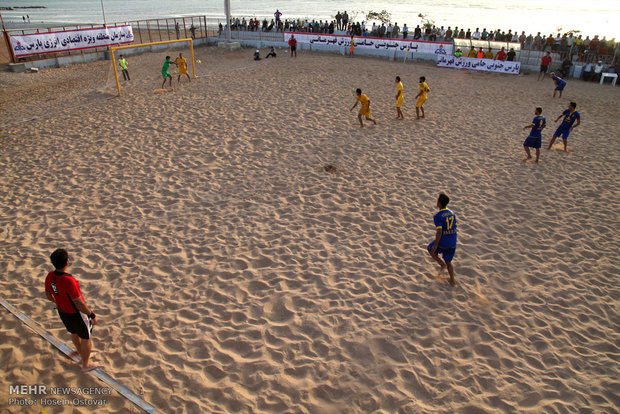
{"type": "Point", "coordinates": [383, 16]}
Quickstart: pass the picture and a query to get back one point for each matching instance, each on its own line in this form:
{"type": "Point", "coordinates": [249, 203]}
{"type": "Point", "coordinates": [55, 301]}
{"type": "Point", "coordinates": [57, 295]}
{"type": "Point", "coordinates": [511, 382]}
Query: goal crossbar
{"type": "Point", "coordinates": [113, 49]}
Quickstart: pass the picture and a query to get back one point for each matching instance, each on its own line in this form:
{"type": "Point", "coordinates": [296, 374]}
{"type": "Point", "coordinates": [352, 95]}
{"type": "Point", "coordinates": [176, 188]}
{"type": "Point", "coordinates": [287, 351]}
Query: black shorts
{"type": "Point", "coordinates": [543, 68]}
{"type": "Point", "coordinates": [293, 48]}
{"type": "Point", "coordinates": [77, 323]}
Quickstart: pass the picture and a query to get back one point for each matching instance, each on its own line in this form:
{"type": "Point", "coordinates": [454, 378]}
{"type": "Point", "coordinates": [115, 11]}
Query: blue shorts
{"type": "Point", "coordinates": [534, 142]}
{"type": "Point", "coordinates": [560, 87]}
{"type": "Point", "coordinates": [446, 252]}
{"type": "Point", "coordinates": [562, 132]}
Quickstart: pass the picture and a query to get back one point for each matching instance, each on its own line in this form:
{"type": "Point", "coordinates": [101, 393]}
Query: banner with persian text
{"type": "Point", "coordinates": [363, 42]}
{"type": "Point", "coordinates": [486, 65]}
{"type": "Point", "coordinates": [52, 42]}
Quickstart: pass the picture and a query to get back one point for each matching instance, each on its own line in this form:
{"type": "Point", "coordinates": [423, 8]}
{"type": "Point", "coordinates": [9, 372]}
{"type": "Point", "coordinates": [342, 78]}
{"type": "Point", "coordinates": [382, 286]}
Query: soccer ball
{"type": "Point", "coordinates": [198, 61]}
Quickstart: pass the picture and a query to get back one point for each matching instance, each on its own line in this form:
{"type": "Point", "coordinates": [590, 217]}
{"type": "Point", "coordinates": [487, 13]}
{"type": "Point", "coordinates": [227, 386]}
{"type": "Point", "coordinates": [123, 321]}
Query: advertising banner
{"type": "Point", "coordinates": [363, 42]}
{"type": "Point", "coordinates": [52, 42]}
{"type": "Point", "coordinates": [486, 65]}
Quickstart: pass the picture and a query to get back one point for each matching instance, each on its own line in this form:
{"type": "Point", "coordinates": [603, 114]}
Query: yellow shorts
{"type": "Point", "coordinates": [399, 101]}
{"type": "Point", "coordinates": [183, 71]}
{"type": "Point", "coordinates": [365, 112]}
{"type": "Point", "coordinates": [420, 101]}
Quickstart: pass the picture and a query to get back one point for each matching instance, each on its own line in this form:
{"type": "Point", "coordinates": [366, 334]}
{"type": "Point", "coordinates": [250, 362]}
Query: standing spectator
{"type": "Point", "coordinates": [122, 62]}
{"type": "Point", "coordinates": [192, 30]}
{"type": "Point", "coordinates": [476, 35]}
{"type": "Point", "coordinates": [598, 69]}
{"type": "Point", "coordinates": [388, 32]}
{"type": "Point", "coordinates": [588, 72]}
{"type": "Point", "coordinates": [538, 42]}
{"type": "Point", "coordinates": [405, 31]}
{"type": "Point", "coordinates": [293, 45]}
{"type": "Point", "coordinates": [544, 65]}
{"type": "Point", "coordinates": [442, 34]}
{"type": "Point", "coordinates": [484, 34]}
{"type": "Point", "coordinates": [522, 39]}
{"type": "Point", "coordinates": [427, 32]}
{"type": "Point", "coordinates": [549, 45]}
{"type": "Point", "coordinates": [177, 29]}
{"type": "Point", "coordinates": [277, 14]}
{"type": "Point", "coordinates": [345, 20]}
{"type": "Point", "coordinates": [448, 34]}
{"type": "Point", "coordinates": [529, 40]}
{"type": "Point", "coordinates": [338, 20]}
{"type": "Point", "coordinates": [462, 34]}
{"type": "Point", "coordinates": [395, 30]}
{"type": "Point", "coordinates": [373, 31]}
{"type": "Point", "coordinates": [64, 290]}
{"type": "Point", "coordinates": [468, 34]}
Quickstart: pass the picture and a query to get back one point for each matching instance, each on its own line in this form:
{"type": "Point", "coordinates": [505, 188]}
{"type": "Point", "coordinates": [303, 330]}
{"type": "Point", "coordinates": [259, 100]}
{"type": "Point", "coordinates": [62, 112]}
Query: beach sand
{"type": "Point", "coordinates": [232, 273]}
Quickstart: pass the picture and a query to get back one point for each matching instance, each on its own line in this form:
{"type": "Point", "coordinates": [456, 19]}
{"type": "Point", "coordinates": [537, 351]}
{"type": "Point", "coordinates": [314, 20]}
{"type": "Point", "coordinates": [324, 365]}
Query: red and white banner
{"type": "Point", "coordinates": [52, 42]}
{"type": "Point", "coordinates": [486, 65]}
{"type": "Point", "coordinates": [369, 43]}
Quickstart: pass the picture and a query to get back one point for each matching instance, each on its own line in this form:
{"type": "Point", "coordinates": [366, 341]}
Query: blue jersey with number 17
{"type": "Point", "coordinates": [446, 221]}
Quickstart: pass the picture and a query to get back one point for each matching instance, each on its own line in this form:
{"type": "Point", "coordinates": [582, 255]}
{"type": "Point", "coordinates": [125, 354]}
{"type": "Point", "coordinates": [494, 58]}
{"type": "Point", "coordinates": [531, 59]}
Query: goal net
{"type": "Point", "coordinates": [145, 61]}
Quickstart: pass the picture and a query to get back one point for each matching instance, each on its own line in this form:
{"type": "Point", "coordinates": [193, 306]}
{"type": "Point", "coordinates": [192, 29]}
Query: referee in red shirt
{"type": "Point", "coordinates": [64, 290]}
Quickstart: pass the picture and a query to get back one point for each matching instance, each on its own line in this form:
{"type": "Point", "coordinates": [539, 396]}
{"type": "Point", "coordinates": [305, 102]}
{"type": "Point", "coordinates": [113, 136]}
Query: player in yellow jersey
{"type": "Point", "coordinates": [365, 109]}
{"type": "Point", "coordinates": [181, 63]}
{"type": "Point", "coordinates": [421, 96]}
{"type": "Point", "coordinates": [399, 98]}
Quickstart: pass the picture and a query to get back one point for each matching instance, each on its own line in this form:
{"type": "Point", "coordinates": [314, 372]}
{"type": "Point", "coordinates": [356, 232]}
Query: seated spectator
{"type": "Point", "coordinates": [458, 53]}
{"type": "Point", "coordinates": [257, 55]}
{"type": "Point", "coordinates": [489, 54]}
{"type": "Point", "coordinates": [472, 52]}
{"type": "Point", "coordinates": [480, 54]}
{"type": "Point", "coordinates": [501, 55]}
{"type": "Point", "coordinates": [565, 67]}
{"type": "Point", "coordinates": [417, 33]}
{"type": "Point", "coordinates": [510, 56]}
{"type": "Point", "coordinates": [272, 52]}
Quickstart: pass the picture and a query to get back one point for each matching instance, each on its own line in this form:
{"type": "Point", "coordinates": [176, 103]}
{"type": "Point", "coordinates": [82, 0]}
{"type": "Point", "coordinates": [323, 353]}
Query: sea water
{"type": "Point", "coordinates": [600, 17]}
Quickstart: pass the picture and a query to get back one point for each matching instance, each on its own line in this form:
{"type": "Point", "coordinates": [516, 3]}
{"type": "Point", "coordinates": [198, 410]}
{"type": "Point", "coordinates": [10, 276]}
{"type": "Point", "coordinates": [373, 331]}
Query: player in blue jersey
{"type": "Point", "coordinates": [534, 140]}
{"type": "Point", "coordinates": [559, 84]}
{"type": "Point", "coordinates": [445, 237]}
{"type": "Point", "coordinates": [568, 124]}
